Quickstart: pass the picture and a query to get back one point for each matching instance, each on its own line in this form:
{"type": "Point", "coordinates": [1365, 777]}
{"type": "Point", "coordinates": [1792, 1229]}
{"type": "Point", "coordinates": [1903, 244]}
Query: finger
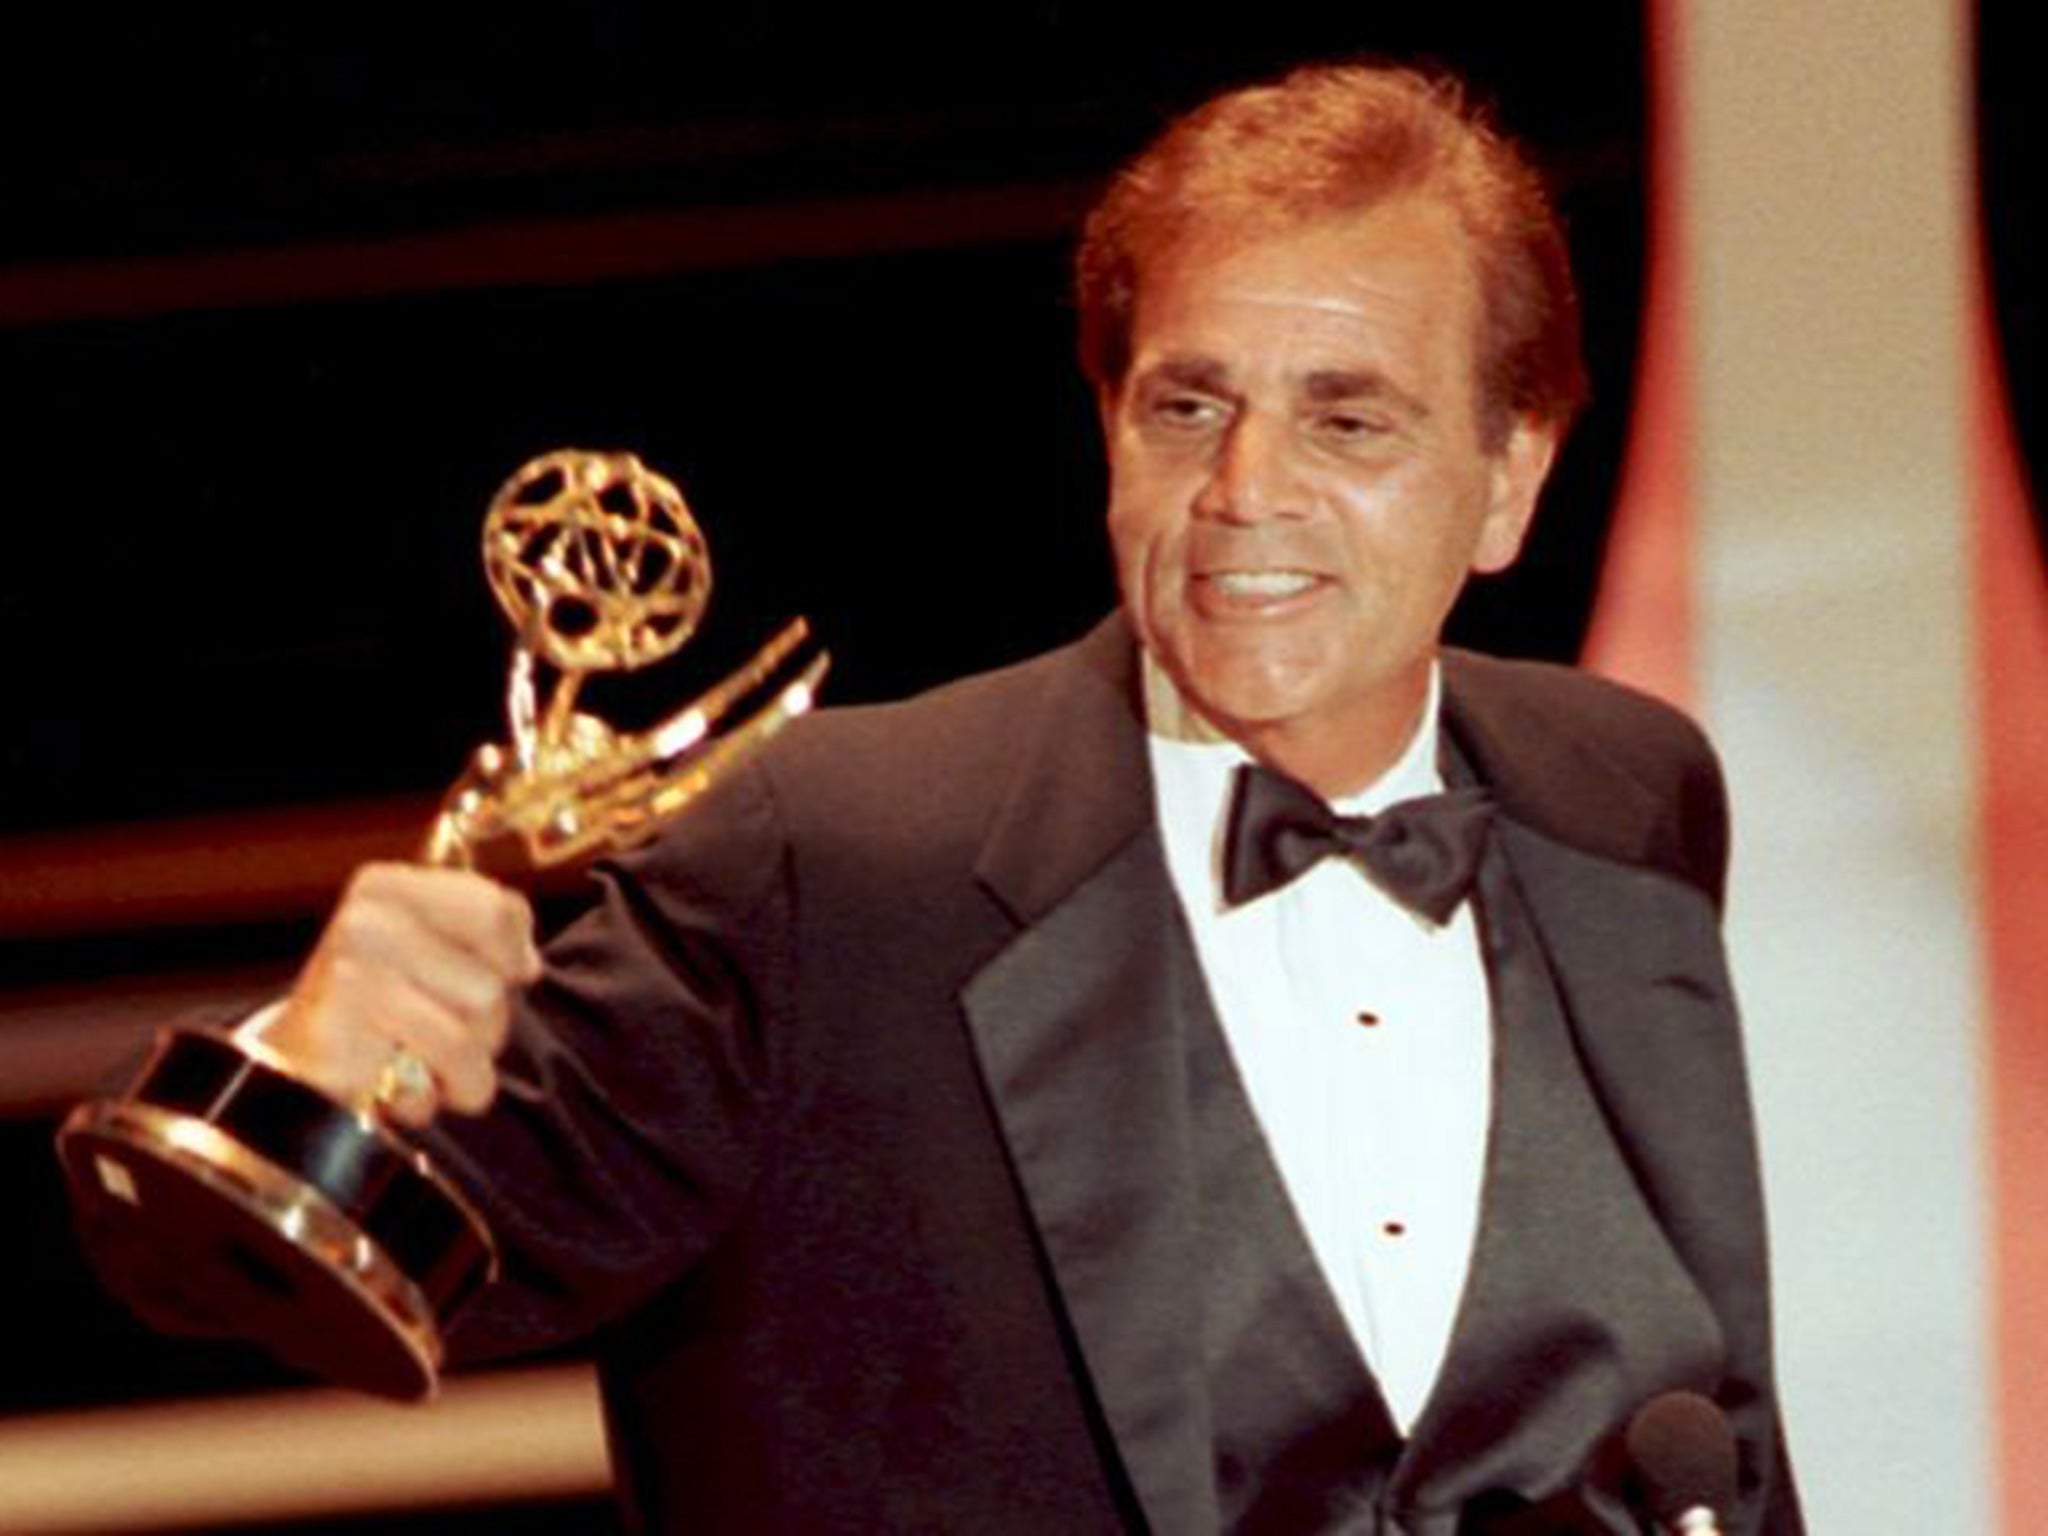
{"type": "Point", "coordinates": [352, 1007]}
{"type": "Point", "coordinates": [456, 1051]}
{"type": "Point", "coordinates": [473, 913]}
{"type": "Point", "coordinates": [387, 972]}
{"type": "Point", "coordinates": [334, 1049]}
{"type": "Point", "coordinates": [408, 1094]}
{"type": "Point", "coordinates": [373, 935]}
{"type": "Point", "coordinates": [392, 1015]}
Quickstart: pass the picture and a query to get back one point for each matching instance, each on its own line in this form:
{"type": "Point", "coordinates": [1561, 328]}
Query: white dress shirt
{"type": "Point", "coordinates": [1363, 1035]}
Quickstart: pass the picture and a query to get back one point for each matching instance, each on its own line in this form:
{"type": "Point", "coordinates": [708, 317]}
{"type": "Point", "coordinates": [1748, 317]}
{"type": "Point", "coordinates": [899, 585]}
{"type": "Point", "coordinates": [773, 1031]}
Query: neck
{"type": "Point", "coordinates": [1337, 757]}
{"type": "Point", "coordinates": [1335, 763]}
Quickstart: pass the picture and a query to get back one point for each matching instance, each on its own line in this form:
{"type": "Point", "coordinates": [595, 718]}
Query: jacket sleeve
{"type": "Point", "coordinates": [628, 1125]}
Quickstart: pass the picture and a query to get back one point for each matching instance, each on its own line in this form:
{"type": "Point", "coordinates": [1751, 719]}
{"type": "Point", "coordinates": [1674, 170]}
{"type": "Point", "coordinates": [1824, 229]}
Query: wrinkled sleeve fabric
{"type": "Point", "coordinates": [638, 1080]}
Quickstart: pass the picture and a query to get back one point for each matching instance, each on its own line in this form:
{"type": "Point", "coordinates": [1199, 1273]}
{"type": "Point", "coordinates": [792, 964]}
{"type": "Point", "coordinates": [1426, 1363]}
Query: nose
{"type": "Point", "coordinates": [1252, 477]}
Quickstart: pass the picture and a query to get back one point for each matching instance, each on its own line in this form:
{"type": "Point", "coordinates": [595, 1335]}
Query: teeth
{"type": "Point", "coordinates": [1262, 583]}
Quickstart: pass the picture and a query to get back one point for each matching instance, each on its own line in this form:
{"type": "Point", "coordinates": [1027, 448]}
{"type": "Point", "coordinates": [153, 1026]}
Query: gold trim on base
{"type": "Point", "coordinates": [297, 1212]}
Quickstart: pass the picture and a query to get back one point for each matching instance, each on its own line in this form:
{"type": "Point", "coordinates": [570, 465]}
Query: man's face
{"type": "Point", "coordinates": [1299, 485]}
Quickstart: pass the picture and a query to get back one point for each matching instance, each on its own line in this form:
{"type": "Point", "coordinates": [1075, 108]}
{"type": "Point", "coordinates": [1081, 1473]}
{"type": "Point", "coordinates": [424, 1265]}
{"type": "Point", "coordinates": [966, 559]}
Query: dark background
{"type": "Point", "coordinates": [283, 299]}
{"type": "Point", "coordinates": [246, 524]}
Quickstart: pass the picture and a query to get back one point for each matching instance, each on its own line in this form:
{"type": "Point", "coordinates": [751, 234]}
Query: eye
{"type": "Point", "coordinates": [1184, 411]}
{"type": "Point", "coordinates": [1352, 428]}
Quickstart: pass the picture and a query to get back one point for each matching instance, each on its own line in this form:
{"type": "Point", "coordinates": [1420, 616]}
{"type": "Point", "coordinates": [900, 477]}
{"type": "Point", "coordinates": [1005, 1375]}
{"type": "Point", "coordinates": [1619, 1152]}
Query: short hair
{"type": "Point", "coordinates": [1328, 140]}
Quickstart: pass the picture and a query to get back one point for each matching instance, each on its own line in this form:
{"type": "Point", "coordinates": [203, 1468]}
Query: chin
{"type": "Point", "coordinates": [1235, 702]}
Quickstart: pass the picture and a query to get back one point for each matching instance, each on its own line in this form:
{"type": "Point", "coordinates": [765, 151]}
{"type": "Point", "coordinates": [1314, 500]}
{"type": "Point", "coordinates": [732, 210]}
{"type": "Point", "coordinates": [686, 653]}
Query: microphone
{"type": "Point", "coordinates": [1683, 1455]}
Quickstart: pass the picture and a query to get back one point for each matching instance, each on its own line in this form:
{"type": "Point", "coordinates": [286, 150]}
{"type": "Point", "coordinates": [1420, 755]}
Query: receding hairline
{"type": "Point", "coordinates": [1218, 237]}
{"type": "Point", "coordinates": [1324, 141]}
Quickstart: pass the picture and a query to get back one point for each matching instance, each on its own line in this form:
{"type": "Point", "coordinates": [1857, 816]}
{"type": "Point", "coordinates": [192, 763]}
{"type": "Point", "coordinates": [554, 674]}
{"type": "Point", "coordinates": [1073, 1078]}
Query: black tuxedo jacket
{"type": "Point", "coordinates": [852, 1122]}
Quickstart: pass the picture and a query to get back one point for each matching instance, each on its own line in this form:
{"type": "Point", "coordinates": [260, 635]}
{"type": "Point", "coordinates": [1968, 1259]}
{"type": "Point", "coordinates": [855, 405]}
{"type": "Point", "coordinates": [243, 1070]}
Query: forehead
{"type": "Point", "coordinates": [1391, 286]}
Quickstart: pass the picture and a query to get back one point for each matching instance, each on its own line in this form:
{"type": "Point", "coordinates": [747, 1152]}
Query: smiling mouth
{"type": "Point", "coordinates": [1259, 586]}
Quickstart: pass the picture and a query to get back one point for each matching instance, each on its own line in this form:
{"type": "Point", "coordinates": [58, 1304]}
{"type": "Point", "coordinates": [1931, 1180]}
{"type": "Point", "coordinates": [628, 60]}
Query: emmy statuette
{"type": "Point", "coordinates": [273, 1212]}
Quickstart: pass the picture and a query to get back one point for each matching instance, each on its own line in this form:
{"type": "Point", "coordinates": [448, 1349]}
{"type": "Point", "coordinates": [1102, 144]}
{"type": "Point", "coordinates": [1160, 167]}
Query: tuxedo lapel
{"type": "Point", "coordinates": [1623, 890]}
{"type": "Point", "coordinates": [1629, 922]}
{"type": "Point", "coordinates": [1073, 1023]}
{"type": "Point", "coordinates": [1637, 959]}
{"type": "Point", "coordinates": [1075, 1026]}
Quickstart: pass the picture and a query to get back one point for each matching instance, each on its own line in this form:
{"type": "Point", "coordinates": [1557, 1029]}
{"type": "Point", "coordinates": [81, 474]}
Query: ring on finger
{"type": "Point", "coordinates": [405, 1081]}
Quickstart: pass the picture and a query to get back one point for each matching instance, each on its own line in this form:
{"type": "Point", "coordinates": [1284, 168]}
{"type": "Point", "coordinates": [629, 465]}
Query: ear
{"type": "Point", "coordinates": [1515, 477]}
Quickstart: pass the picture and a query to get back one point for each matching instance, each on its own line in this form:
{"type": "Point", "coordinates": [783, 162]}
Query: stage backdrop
{"type": "Point", "coordinates": [1825, 546]}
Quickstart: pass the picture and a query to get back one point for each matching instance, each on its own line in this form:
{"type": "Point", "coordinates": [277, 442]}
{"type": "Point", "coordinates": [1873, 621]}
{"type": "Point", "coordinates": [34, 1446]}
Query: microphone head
{"type": "Point", "coordinates": [1683, 1454]}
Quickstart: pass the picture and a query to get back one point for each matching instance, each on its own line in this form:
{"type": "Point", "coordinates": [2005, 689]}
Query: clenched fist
{"type": "Point", "coordinates": [415, 960]}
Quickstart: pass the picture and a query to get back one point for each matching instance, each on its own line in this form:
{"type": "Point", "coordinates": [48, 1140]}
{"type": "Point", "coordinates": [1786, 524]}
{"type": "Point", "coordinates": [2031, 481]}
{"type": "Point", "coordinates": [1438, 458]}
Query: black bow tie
{"type": "Point", "coordinates": [1422, 852]}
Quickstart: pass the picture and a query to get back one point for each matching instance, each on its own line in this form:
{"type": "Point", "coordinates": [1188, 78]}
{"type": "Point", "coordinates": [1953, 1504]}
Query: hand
{"type": "Point", "coordinates": [418, 960]}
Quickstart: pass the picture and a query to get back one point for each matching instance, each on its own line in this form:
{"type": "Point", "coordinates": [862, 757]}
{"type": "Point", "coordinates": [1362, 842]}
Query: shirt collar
{"type": "Point", "coordinates": [1194, 764]}
{"type": "Point", "coordinates": [1178, 731]}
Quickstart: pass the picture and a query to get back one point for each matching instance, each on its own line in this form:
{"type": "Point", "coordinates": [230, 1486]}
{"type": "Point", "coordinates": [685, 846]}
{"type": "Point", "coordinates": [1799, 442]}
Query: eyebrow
{"type": "Point", "coordinates": [1203, 373]}
{"type": "Point", "coordinates": [1324, 386]}
{"type": "Point", "coordinates": [1329, 386]}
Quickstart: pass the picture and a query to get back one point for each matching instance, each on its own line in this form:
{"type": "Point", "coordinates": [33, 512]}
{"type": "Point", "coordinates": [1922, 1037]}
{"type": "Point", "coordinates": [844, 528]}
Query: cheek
{"type": "Point", "coordinates": [1141, 527]}
{"type": "Point", "coordinates": [1126, 534]}
{"type": "Point", "coordinates": [1132, 551]}
{"type": "Point", "coordinates": [1423, 526]}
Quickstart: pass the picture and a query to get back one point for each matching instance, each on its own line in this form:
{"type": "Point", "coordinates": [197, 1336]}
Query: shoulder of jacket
{"type": "Point", "coordinates": [1592, 763]}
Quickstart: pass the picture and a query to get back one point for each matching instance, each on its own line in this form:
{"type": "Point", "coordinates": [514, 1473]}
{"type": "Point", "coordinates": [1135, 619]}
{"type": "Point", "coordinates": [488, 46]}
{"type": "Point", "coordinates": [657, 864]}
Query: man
{"type": "Point", "coordinates": [988, 1113]}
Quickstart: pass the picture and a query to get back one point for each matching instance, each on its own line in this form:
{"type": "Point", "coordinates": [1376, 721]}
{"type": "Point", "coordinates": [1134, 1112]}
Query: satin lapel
{"type": "Point", "coordinates": [1638, 958]}
{"type": "Point", "coordinates": [1075, 1026]}
{"type": "Point", "coordinates": [1623, 888]}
